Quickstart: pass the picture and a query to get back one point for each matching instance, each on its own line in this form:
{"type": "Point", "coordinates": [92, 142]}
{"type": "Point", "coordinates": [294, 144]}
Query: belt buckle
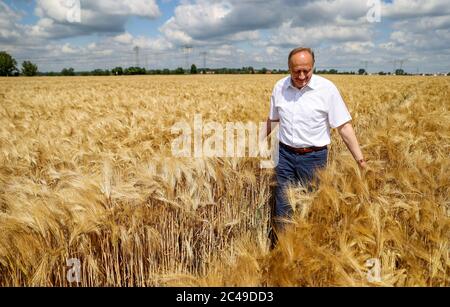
{"type": "Point", "coordinates": [305, 150]}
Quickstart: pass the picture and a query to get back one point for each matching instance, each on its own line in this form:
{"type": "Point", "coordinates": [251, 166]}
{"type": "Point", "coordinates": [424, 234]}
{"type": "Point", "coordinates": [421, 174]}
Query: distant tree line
{"type": "Point", "coordinates": [362, 71]}
{"type": "Point", "coordinates": [8, 67]}
{"type": "Point", "coordinates": [119, 71]}
{"type": "Point", "coordinates": [333, 71]}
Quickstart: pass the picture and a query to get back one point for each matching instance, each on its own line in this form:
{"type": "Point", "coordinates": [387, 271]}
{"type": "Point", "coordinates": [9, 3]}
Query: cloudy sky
{"type": "Point", "coordinates": [346, 34]}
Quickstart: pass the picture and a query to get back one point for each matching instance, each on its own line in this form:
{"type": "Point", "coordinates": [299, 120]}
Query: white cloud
{"type": "Point", "coordinates": [191, 20]}
{"type": "Point", "coordinates": [143, 8]}
{"type": "Point", "coordinates": [438, 41]}
{"type": "Point", "coordinates": [272, 50]}
{"type": "Point", "coordinates": [152, 44]}
{"type": "Point", "coordinates": [225, 50]}
{"type": "Point", "coordinates": [419, 26]}
{"type": "Point", "coordinates": [174, 33]}
{"type": "Point", "coordinates": [101, 16]}
{"type": "Point", "coordinates": [200, 21]}
{"type": "Point", "coordinates": [68, 49]}
{"type": "Point", "coordinates": [10, 28]}
{"type": "Point", "coordinates": [90, 10]}
{"type": "Point", "coordinates": [355, 48]}
{"type": "Point", "coordinates": [337, 12]}
{"type": "Point", "coordinates": [124, 38]}
{"type": "Point", "coordinates": [314, 36]}
{"type": "Point", "coordinates": [92, 46]}
{"type": "Point", "coordinates": [415, 8]}
{"type": "Point", "coordinates": [244, 36]}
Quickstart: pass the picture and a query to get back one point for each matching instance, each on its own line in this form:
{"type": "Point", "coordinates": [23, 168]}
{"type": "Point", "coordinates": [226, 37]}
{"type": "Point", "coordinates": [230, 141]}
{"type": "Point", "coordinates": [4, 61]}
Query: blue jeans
{"type": "Point", "coordinates": [293, 168]}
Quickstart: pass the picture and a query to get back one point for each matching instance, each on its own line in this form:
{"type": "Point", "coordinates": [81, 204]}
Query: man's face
{"type": "Point", "coordinates": [301, 67]}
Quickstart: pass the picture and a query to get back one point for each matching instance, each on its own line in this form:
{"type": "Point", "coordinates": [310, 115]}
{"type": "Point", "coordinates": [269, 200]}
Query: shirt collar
{"type": "Point", "coordinates": [312, 84]}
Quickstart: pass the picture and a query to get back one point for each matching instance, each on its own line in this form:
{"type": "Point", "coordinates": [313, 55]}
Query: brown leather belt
{"type": "Point", "coordinates": [304, 150]}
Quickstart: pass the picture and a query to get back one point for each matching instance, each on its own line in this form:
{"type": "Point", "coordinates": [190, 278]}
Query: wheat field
{"type": "Point", "coordinates": [87, 173]}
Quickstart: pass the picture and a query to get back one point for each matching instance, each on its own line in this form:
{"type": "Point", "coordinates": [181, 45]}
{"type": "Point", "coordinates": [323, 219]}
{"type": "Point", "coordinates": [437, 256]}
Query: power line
{"type": "Point", "coordinates": [136, 50]}
{"type": "Point", "coordinates": [204, 53]}
{"type": "Point", "coordinates": [366, 63]}
{"type": "Point", "coordinates": [187, 50]}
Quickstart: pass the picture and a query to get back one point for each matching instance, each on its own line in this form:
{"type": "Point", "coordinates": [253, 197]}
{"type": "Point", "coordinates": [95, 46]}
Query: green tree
{"type": "Point", "coordinates": [118, 71]}
{"type": "Point", "coordinates": [399, 72]}
{"type": "Point", "coordinates": [135, 71]}
{"type": "Point", "coordinates": [8, 65]}
{"type": "Point", "coordinates": [264, 70]}
{"type": "Point", "coordinates": [29, 69]}
{"type": "Point", "coordinates": [68, 72]}
{"type": "Point", "coordinates": [361, 71]}
{"type": "Point", "coordinates": [193, 69]}
{"type": "Point", "coordinates": [179, 71]}
{"type": "Point", "coordinates": [100, 72]}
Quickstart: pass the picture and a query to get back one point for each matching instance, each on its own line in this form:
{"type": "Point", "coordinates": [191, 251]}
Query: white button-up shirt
{"type": "Point", "coordinates": [307, 115]}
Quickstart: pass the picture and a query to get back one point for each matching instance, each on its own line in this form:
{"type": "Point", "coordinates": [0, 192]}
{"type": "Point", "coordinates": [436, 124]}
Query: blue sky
{"type": "Point", "coordinates": [234, 33]}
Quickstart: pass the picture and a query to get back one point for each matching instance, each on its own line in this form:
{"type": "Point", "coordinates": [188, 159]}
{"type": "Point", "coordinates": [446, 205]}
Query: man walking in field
{"type": "Point", "coordinates": [306, 106]}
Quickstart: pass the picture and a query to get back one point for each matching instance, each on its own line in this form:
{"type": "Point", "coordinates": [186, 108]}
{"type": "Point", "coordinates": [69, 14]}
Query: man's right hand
{"type": "Point", "coordinates": [269, 126]}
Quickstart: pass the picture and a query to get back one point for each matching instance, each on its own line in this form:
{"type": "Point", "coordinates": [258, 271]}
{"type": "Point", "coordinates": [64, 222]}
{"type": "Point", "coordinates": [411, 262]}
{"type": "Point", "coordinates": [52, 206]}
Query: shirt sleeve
{"type": "Point", "coordinates": [338, 113]}
{"type": "Point", "coordinates": [273, 112]}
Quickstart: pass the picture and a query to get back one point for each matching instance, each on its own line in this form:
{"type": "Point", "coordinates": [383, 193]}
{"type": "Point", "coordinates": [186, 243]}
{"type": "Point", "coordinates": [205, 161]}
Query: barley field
{"type": "Point", "coordinates": [87, 173]}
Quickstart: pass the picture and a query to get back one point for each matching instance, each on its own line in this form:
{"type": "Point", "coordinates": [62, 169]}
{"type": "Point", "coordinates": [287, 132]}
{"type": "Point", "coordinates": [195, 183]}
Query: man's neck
{"type": "Point", "coordinates": [300, 88]}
